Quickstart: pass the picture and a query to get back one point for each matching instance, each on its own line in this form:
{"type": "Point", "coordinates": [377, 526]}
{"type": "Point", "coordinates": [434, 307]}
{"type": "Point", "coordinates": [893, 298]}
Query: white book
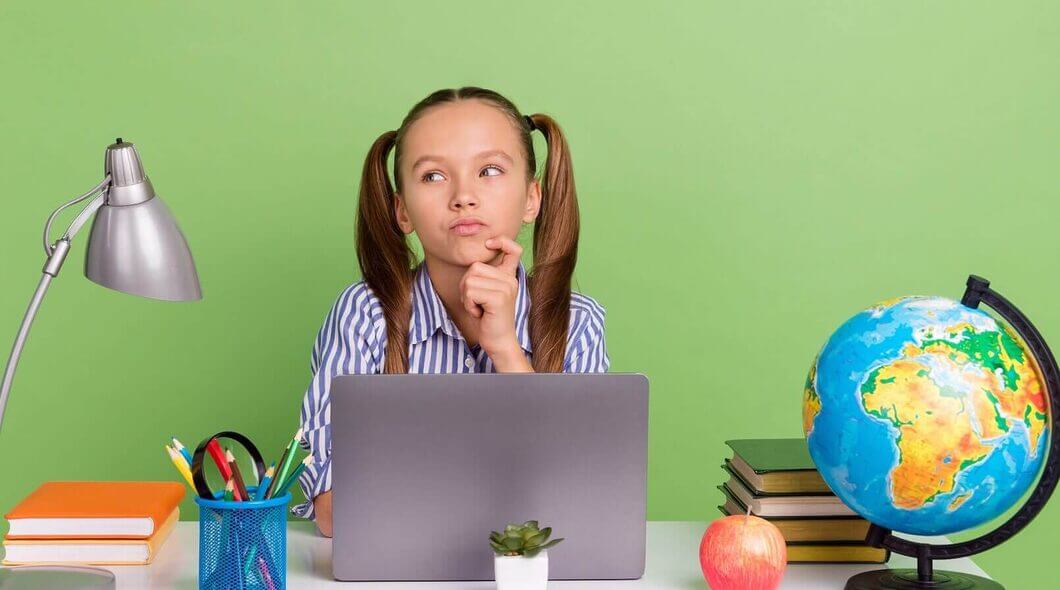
{"type": "Point", "coordinates": [82, 527]}
{"type": "Point", "coordinates": [88, 551]}
{"type": "Point", "coordinates": [114, 552]}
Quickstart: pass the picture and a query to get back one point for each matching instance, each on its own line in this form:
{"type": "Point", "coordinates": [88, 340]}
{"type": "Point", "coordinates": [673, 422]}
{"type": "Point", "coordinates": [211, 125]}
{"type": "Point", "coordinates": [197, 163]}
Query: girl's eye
{"type": "Point", "coordinates": [498, 170]}
{"type": "Point", "coordinates": [427, 177]}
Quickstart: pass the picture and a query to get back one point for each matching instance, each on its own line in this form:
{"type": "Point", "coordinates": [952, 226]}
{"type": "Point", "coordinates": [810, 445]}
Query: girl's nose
{"type": "Point", "coordinates": [464, 198]}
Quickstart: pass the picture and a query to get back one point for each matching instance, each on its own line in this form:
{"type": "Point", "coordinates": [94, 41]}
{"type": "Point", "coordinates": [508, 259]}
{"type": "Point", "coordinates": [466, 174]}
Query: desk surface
{"type": "Point", "coordinates": [672, 563]}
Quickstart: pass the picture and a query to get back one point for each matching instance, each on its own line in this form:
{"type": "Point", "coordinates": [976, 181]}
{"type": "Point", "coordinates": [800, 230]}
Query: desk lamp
{"type": "Point", "coordinates": [135, 247]}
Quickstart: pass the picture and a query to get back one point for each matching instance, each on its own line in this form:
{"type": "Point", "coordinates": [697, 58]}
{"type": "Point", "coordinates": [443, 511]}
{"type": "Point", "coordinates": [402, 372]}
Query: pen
{"type": "Point", "coordinates": [265, 575]}
{"type": "Point", "coordinates": [183, 451]}
{"type": "Point", "coordinates": [285, 464]}
{"type": "Point", "coordinates": [237, 476]}
{"type": "Point", "coordinates": [178, 462]}
{"type": "Point", "coordinates": [250, 559]}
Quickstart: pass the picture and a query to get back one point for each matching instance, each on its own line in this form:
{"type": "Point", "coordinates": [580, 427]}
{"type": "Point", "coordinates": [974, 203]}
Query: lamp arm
{"type": "Point", "coordinates": [56, 255]}
{"type": "Point", "coordinates": [48, 247]}
{"type": "Point", "coordinates": [20, 341]}
{"type": "Point", "coordinates": [82, 217]}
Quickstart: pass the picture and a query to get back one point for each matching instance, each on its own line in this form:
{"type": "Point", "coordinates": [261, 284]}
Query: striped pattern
{"type": "Point", "coordinates": [353, 341]}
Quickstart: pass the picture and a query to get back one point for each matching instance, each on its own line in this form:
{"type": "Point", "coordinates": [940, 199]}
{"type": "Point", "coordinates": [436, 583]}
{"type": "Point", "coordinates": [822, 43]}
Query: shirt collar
{"type": "Point", "coordinates": [428, 313]}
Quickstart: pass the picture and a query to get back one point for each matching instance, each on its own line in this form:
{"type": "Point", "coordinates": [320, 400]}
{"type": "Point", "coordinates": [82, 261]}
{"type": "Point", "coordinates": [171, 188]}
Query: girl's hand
{"type": "Point", "coordinates": [488, 293]}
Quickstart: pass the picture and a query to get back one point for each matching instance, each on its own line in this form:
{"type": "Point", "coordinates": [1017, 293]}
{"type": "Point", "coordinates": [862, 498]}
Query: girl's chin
{"type": "Point", "coordinates": [467, 254]}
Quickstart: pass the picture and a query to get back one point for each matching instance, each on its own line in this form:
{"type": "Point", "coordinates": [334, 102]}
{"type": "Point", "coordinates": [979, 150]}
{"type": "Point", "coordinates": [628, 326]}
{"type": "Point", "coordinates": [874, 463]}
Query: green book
{"type": "Point", "coordinates": [776, 465]}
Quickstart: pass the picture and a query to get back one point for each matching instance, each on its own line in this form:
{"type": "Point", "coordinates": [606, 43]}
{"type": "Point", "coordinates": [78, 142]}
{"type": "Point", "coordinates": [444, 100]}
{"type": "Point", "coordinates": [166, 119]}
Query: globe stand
{"type": "Point", "coordinates": [924, 577]}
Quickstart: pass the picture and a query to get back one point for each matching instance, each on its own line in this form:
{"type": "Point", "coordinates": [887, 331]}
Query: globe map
{"type": "Point", "coordinates": [926, 416]}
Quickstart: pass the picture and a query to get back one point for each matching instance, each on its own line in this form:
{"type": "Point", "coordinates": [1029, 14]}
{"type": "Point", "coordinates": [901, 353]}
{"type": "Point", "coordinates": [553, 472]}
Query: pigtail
{"type": "Point", "coordinates": [555, 251]}
{"type": "Point", "coordinates": [383, 254]}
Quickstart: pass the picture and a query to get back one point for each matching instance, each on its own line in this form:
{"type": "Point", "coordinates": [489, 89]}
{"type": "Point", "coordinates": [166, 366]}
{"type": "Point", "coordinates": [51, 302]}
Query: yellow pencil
{"type": "Point", "coordinates": [181, 465]}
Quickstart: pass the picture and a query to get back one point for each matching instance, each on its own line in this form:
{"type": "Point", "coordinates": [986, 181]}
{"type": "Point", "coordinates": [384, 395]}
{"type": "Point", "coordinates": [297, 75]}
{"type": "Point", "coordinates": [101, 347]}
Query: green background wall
{"type": "Point", "coordinates": [750, 175]}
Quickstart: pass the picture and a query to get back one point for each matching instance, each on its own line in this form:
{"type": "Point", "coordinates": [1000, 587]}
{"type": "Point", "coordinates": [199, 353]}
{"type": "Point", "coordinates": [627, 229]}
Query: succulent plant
{"type": "Point", "coordinates": [522, 539]}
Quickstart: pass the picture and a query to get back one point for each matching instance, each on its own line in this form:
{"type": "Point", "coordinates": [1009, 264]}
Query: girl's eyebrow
{"type": "Point", "coordinates": [500, 153]}
{"type": "Point", "coordinates": [487, 153]}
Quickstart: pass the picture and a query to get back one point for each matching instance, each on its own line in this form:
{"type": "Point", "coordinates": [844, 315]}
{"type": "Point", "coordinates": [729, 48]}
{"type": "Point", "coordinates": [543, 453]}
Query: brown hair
{"type": "Point", "coordinates": [387, 261]}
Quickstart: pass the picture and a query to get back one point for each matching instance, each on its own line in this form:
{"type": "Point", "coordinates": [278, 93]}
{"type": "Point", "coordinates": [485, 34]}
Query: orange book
{"type": "Point", "coordinates": [94, 509]}
{"type": "Point", "coordinates": [89, 551]}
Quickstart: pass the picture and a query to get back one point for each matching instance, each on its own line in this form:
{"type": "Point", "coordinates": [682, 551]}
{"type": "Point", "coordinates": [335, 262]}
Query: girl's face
{"type": "Point", "coordinates": [463, 162]}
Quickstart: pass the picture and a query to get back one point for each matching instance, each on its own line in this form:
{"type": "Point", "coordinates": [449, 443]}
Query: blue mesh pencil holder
{"type": "Point", "coordinates": [243, 545]}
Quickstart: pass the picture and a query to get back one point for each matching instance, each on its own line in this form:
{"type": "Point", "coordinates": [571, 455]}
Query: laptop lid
{"type": "Point", "coordinates": [425, 466]}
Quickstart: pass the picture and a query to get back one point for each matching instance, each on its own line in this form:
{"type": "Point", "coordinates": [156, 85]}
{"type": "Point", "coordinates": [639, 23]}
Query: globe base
{"type": "Point", "coordinates": [906, 579]}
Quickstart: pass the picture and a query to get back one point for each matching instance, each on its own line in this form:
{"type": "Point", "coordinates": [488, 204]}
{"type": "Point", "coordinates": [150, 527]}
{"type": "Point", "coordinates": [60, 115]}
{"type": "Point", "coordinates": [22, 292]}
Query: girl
{"type": "Point", "coordinates": [464, 175]}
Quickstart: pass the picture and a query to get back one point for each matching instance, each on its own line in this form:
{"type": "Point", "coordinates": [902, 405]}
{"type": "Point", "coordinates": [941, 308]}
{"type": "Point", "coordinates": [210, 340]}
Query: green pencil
{"type": "Point", "coordinates": [294, 476]}
{"type": "Point", "coordinates": [285, 465]}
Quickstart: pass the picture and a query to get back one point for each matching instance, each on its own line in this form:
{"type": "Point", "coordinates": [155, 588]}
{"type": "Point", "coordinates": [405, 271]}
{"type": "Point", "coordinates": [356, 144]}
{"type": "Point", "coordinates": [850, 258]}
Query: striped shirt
{"type": "Point", "coordinates": [353, 341]}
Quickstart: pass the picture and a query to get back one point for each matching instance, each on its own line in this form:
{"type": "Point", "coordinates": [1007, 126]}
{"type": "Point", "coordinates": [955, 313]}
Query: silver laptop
{"type": "Point", "coordinates": [425, 466]}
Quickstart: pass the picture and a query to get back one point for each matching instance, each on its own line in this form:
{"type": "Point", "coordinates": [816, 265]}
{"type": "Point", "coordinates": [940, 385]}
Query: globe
{"type": "Point", "coordinates": [926, 416]}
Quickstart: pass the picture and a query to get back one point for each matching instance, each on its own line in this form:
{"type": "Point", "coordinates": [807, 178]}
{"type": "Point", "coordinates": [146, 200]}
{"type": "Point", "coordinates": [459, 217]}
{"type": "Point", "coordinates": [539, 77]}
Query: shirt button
{"type": "Point", "coordinates": [469, 362]}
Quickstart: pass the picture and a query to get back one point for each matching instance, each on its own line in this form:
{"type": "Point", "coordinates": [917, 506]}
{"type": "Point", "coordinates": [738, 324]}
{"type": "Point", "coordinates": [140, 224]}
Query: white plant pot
{"type": "Point", "coordinates": [516, 572]}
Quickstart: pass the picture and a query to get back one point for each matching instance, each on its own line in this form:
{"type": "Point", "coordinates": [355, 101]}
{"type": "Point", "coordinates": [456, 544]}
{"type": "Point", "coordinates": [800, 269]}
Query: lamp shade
{"type": "Point", "coordinates": [135, 245]}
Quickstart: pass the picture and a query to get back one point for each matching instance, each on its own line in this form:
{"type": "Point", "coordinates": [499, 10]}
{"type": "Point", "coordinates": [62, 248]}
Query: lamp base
{"type": "Point", "coordinates": [27, 577]}
{"type": "Point", "coordinates": [906, 579]}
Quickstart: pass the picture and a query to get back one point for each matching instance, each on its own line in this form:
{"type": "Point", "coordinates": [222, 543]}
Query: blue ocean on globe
{"type": "Point", "coordinates": [926, 416]}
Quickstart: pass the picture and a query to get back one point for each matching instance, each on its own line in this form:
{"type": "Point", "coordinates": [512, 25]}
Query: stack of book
{"type": "Point", "coordinates": [776, 480]}
{"type": "Point", "coordinates": [92, 522]}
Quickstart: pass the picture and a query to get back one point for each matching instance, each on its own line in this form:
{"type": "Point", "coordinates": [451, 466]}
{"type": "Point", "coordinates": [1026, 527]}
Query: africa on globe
{"type": "Point", "coordinates": [926, 416]}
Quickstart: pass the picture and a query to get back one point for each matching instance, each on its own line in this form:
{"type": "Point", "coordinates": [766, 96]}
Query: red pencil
{"type": "Point", "coordinates": [214, 448]}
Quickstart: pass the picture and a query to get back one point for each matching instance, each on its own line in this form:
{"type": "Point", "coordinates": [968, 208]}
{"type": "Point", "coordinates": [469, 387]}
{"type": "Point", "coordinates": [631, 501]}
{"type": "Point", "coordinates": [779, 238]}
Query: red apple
{"type": "Point", "coordinates": [743, 553]}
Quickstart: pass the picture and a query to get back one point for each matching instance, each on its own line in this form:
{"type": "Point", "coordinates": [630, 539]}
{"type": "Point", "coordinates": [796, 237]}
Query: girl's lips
{"type": "Point", "coordinates": [467, 229]}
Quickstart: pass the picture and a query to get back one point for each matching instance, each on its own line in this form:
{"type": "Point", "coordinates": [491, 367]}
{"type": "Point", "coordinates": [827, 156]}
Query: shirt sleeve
{"type": "Point", "coordinates": [586, 345]}
{"type": "Point", "coordinates": [348, 343]}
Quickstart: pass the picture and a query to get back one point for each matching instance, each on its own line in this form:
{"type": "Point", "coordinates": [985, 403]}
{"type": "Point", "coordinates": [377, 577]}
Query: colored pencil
{"type": "Point", "coordinates": [259, 494]}
{"type": "Point", "coordinates": [237, 476]}
{"type": "Point", "coordinates": [214, 448]}
{"type": "Point", "coordinates": [178, 462]}
{"type": "Point", "coordinates": [294, 475]}
{"type": "Point", "coordinates": [183, 451]}
{"type": "Point", "coordinates": [218, 456]}
{"type": "Point", "coordinates": [230, 491]}
{"type": "Point", "coordinates": [285, 464]}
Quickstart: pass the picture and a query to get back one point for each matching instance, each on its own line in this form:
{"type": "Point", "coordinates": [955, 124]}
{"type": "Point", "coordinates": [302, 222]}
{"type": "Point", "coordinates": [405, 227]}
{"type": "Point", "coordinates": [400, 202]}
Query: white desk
{"type": "Point", "coordinates": [672, 563]}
